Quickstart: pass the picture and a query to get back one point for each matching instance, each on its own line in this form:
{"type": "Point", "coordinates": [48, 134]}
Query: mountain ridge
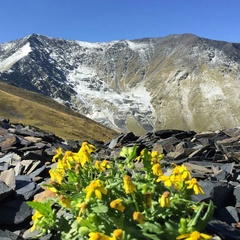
{"type": "Point", "coordinates": [133, 85]}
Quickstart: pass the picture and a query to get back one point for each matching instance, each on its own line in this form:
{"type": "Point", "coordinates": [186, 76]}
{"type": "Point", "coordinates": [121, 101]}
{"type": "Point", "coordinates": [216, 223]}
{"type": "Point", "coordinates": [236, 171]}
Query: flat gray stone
{"type": "Point", "coordinates": [15, 212]}
{"type": "Point", "coordinates": [51, 151]}
{"type": "Point", "coordinates": [37, 171]}
{"type": "Point", "coordinates": [28, 191]}
{"type": "Point", "coordinates": [7, 235]}
{"type": "Point", "coordinates": [26, 187]}
{"type": "Point", "coordinates": [7, 158]}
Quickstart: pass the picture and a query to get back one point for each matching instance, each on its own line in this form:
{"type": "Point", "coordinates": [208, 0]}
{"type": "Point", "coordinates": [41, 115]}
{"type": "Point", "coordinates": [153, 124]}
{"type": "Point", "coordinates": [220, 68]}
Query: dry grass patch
{"type": "Point", "coordinates": [28, 108]}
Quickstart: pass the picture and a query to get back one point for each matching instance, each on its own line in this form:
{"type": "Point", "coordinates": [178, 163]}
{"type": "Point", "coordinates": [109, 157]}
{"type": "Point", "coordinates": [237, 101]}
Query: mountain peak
{"type": "Point", "coordinates": [35, 37]}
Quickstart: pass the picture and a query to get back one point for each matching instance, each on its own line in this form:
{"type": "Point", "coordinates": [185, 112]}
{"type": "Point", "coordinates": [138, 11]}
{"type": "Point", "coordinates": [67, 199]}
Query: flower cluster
{"type": "Point", "coordinates": [132, 197]}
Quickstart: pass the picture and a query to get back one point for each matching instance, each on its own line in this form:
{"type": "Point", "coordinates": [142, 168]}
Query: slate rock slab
{"type": "Point", "coordinates": [7, 235]}
{"type": "Point", "coordinates": [14, 212]}
{"type": "Point", "coordinates": [26, 187]}
{"type": "Point", "coordinates": [228, 215]}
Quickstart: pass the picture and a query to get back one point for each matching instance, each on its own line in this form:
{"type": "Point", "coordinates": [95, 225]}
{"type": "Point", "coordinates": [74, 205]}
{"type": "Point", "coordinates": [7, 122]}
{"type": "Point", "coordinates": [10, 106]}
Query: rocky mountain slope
{"type": "Point", "coordinates": [178, 81]}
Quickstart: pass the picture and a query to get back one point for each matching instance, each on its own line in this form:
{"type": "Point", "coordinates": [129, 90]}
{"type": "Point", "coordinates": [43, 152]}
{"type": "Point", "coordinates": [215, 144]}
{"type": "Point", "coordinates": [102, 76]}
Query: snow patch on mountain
{"type": "Point", "coordinates": [95, 45]}
{"type": "Point", "coordinates": [141, 92]}
{"type": "Point", "coordinates": [81, 72]}
{"type": "Point", "coordinates": [135, 46]}
{"type": "Point", "coordinates": [15, 57]}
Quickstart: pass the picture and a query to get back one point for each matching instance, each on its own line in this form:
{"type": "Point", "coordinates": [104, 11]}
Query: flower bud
{"type": "Point", "coordinates": [92, 217]}
{"type": "Point", "coordinates": [84, 231]}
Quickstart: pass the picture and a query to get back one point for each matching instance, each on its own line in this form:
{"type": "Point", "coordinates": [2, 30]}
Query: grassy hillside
{"type": "Point", "coordinates": [29, 108]}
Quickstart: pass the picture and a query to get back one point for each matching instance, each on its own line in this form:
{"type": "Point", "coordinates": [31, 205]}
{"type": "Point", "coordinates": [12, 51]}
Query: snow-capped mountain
{"type": "Point", "coordinates": [178, 81]}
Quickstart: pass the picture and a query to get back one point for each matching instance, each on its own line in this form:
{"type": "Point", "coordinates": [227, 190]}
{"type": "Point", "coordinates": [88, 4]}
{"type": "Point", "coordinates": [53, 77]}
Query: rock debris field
{"type": "Point", "coordinates": [212, 157]}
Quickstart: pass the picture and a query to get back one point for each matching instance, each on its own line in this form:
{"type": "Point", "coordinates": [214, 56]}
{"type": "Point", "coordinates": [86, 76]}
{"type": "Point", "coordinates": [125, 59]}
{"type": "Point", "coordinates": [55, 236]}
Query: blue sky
{"type": "Point", "coordinates": [107, 20]}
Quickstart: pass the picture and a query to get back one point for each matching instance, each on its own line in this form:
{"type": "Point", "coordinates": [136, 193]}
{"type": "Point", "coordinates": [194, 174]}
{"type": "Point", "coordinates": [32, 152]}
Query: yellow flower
{"type": "Point", "coordinates": [88, 147]}
{"type": "Point", "coordinates": [194, 185]}
{"type": "Point", "coordinates": [177, 181]}
{"type": "Point", "coordinates": [98, 236]}
{"type": "Point", "coordinates": [166, 179]}
{"type": "Point", "coordinates": [117, 234]}
{"type": "Point", "coordinates": [83, 155]}
{"type": "Point", "coordinates": [98, 166]}
{"type": "Point", "coordinates": [182, 172]}
{"type": "Point", "coordinates": [128, 185]}
{"type": "Point", "coordinates": [157, 169]}
{"type": "Point", "coordinates": [95, 187]}
{"type": "Point", "coordinates": [66, 161]}
{"type": "Point", "coordinates": [165, 199]}
{"type": "Point", "coordinates": [57, 175]}
{"type": "Point", "coordinates": [137, 216]}
{"type": "Point", "coordinates": [36, 217]}
{"type": "Point", "coordinates": [60, 166]}
{"type": "Point", "coordinates": [102, 166]}
{"type": "Point", "coordinates": [65, 202]}
{"type": "Point", "coordinates": [154, 154]}
{"type": "Point", "coordinates": [156, 157]}
{"type": "Point", "coordinates": [105, 164]}
{"type": "Point", "coordinates": [194, 236]}
{"type": "Point", "coordinates": [117, 204]}
{"type": "Point", "coordinates": [57, 155]}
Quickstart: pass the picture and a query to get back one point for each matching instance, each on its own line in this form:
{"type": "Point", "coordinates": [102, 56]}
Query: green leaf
{"type": "Point", "coordinates": [197, 215]}
{"type": "Point", "coordinates": [132, 151]}
{"type": "Point", "coordinates": [43, 208]}
{"type": "Point", "coordinates": [71, 176]}
{"type": "Point", "coordinates": [148, 228]}
{"type": "Point", "coordinates": [206, 218]}
{"type": "Point", "coordinates": [100, 209]}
